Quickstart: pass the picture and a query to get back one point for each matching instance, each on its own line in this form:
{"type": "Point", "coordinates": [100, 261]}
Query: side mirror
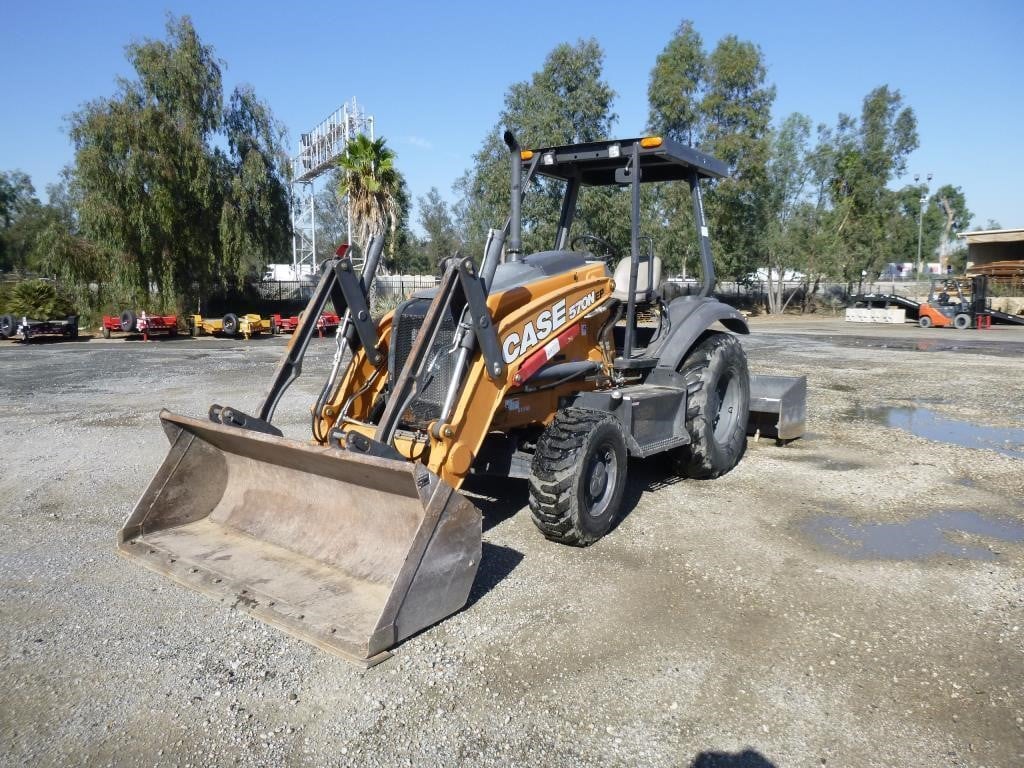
{"type": "Point", "coordinates": [624, 175]}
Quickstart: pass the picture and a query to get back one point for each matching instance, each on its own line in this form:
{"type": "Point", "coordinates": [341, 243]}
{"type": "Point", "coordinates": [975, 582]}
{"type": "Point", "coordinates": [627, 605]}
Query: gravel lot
{"type": "Point", "coordinates": [853, 599]}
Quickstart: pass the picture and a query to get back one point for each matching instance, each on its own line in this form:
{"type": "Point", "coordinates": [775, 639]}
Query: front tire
{"type": "Point", "coordinates": [717, 407]}
{"type": "Point", "coordinates": [962, 322]}
{"type": "Point", "coordinates": [578, 477]}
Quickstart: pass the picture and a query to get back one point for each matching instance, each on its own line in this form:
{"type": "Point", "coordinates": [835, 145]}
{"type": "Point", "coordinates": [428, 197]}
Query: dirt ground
{"type": "Point", "coordinates": [855, 598]}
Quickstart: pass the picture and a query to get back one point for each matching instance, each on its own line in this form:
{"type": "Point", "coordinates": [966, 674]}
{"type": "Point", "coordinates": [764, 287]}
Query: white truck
{"type": "Point", "coordinates": [288, 272]}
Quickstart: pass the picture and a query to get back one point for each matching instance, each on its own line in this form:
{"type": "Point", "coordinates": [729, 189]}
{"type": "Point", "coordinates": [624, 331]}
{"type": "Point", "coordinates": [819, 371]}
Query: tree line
{"type": "Point", "coordinates": [179, 189]}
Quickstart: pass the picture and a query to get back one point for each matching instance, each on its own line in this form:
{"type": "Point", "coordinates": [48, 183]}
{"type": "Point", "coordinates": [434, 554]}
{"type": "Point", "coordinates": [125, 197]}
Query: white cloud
{"type": "Point", "coordinates": [418, 141]}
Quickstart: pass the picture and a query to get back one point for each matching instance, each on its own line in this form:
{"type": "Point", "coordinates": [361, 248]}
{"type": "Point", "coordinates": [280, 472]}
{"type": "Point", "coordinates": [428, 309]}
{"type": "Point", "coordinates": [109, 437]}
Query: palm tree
{"type": "Point", "coordinates": [372, 185]}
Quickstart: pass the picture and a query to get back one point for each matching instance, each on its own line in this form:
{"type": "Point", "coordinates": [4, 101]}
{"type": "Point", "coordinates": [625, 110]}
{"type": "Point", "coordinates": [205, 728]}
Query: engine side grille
{"type": "Point", "coordinates": [427, 406]}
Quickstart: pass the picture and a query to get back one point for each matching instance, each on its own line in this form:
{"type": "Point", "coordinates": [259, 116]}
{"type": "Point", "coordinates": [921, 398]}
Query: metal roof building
{"type": "Point", "coordinates": [989, 245]}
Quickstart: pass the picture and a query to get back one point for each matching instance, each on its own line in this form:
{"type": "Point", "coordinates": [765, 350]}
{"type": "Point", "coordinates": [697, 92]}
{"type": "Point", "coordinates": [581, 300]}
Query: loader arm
{"type": "Point", "coordinates": [588, 290]}
{"type": "Point", "coordinates": [527, 319]}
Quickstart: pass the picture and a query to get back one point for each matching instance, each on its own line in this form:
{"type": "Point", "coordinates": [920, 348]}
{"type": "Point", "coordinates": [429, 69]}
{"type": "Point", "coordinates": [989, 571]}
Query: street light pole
{"type": "Point", "coordinates": [920, 219]}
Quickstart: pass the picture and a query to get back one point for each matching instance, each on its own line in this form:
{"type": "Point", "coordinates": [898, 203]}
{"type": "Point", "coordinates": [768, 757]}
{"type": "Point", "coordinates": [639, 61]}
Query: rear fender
{"type": "Point", "coordinates": [689, 318]}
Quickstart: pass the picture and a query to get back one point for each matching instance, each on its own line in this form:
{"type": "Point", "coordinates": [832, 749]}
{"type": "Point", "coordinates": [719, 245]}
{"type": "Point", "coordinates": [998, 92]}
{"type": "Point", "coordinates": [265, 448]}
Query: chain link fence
{"type": "Point", "coordinates": [391, 288]}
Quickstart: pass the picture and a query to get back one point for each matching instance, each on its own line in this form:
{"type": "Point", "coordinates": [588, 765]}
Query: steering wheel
{"type": "Point", "coordinates": [610, 252]}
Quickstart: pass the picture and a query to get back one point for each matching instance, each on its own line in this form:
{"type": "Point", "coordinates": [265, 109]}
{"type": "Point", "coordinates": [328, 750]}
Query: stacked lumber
{"type": "Point", "coordinates": [1000, 269]}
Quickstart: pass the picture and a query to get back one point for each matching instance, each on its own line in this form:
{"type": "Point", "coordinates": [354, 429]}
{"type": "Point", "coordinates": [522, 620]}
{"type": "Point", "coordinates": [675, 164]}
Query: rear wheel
{"type": "Point", "coordinates": [925, 321]}
{"type": "Point", "coordinates": [8, 326]}
{"type": "Point", "coordinates": [717, 407]}
{"type": "Point", "coordinates": [106, 332]}
{"type": "Point", "coordinates": [962, 321]}
{"type": "Point", "coordinates": [578, 477]}
{"type": "Point", "coordinates": [230, 324]}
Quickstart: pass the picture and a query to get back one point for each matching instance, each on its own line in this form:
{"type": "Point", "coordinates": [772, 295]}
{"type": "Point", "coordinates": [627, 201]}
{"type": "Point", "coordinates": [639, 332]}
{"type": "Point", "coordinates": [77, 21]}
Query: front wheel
{"type": "Point", "coordinates": [962, 322]}
{"type": "Point", "coordinates": [578, 477]}
{"type": "Point", "coordinates": [717, 407]}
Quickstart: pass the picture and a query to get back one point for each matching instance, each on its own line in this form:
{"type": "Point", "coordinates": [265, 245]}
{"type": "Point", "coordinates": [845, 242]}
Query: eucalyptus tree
{"type": "Point", "coordinates": [18, 204]}
{"type": "Point", "coordinates": [736, 108]}
{"type": "Point", "coordinates": [159, 194]}
{"type": "Point", "coordinates": [868, 154]}
{"type": "Point", "coordinates": [442, 237]}
{"type": "Point", "coordinates": [720, 103]}
{"type": "Point", "coordinates": [789, 185]}
{"type": "Point", "coordinates": [566, 101]}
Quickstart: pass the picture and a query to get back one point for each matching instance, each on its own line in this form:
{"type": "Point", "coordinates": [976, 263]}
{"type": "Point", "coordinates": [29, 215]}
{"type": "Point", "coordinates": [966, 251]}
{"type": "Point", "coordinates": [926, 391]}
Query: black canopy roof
{"type": "Point", "coordinates": [595, 163]}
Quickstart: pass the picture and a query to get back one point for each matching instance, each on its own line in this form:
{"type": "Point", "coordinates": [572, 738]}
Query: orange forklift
{"type": "Point", "coordinates": [958, 302]}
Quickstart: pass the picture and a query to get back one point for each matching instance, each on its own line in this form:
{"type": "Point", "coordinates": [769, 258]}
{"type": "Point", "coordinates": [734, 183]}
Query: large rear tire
{"type": "Point", "coordinates": [230, 324]}
{"type": "Point", "coordinates": [717, 407]}
{"type": "Point", "coordinates": [925, 321]}
{"type": "Point", "coordinates": [578, 477]}
{"type": "Point", "coordinates": [8, 326]}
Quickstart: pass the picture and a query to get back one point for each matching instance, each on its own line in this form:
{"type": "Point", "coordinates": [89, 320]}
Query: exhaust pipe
{"type": "Point", "coordinates": [515, 238]}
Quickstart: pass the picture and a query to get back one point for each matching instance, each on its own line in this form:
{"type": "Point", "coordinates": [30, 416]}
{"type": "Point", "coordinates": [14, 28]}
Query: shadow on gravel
{"type": "Point", "coordinates": [644, 476]}
{"type": "Point", "coordinates": [748, 758]}
{"type": "Point", "coordinates": [498, 498]}
{"type": "Point", "coordinates": [496, 563]}
{"type": "Point", "coordinates": [35, 341]}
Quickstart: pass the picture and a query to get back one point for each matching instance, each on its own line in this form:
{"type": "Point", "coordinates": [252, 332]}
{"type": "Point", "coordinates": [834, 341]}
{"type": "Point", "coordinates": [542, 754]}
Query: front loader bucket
{"type": "Point", "coordinates": [778, 406]}
{"type": "Point", "coordinates": [349, 552]}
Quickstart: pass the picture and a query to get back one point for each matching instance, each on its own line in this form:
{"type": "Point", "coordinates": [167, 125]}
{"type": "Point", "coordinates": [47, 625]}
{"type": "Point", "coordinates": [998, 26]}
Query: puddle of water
{"type": "Point", "coordinates": [835, 465]}
{"type": "Point", "coordinates": [959, 344]}
{"type": "Point", "coordinates": [925, 423]}
{"type": "Point", "coordinates": [914, 539]}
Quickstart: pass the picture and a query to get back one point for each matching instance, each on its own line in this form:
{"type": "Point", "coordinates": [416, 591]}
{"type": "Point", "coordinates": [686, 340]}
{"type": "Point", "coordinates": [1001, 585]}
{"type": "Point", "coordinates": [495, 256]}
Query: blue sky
{"type": "Point", "coordinates": [434, 75]}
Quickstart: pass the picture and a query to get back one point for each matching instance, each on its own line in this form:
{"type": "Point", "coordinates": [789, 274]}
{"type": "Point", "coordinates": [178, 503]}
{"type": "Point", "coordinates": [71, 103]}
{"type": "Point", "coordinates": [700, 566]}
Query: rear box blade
{"type": "Point", "coordinates": [778, 406]}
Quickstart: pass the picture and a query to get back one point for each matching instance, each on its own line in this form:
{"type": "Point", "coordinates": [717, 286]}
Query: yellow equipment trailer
{"type": "Point", "coordinates": [247, 325]}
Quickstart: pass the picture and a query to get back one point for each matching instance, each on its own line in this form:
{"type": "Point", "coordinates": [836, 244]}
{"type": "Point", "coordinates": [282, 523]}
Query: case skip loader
{"type": "Point", "coordinates": [535, 368]}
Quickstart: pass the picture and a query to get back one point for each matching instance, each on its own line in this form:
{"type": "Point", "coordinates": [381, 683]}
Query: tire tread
{"type": "Point", "coordinates": [552, 500]}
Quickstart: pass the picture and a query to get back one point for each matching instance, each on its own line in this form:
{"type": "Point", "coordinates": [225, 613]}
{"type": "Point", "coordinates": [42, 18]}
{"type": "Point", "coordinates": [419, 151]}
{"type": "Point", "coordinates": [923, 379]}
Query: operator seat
{"type": "Point", "coordinates": [646, 289]}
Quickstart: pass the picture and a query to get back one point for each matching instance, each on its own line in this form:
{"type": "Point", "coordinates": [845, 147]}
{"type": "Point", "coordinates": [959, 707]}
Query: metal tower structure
{"type": "Point", "coordinates": [318, 153]}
